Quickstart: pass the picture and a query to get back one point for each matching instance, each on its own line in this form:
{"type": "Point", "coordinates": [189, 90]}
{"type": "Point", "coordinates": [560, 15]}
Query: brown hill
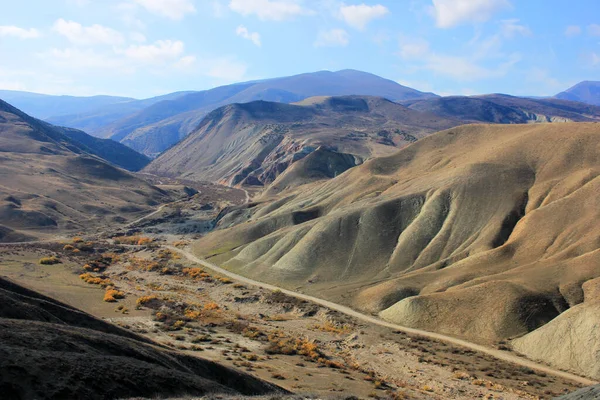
{"type": "Point", "coordinates": [49, 350]}
{"type": "Point", "coordinates": [51, 182]}
{"type": "Point", "coordinates": [483, 231]}
{"type": "Point", "coordinates": [255, 142]}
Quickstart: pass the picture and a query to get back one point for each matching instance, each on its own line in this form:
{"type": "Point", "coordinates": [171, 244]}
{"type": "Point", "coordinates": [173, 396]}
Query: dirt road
{"type": "Point", "coordinates": [499, 354]}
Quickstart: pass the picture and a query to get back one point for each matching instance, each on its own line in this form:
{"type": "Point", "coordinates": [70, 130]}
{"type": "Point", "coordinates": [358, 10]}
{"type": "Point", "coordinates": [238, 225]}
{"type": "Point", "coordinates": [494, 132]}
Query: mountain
{"type": "Point", "coordinates": [505, 109]}
{"type": "Point", "coordinates": [253, 143]}
{"type": "Point", "coordinates": [486, 232]}
{"type": "Point", "coordinates": [160, 125]}
{"type": "Point", "coordinates": [95, 119]}
{"type": "Point", "coordinates": [585, 92]}
{"type": "Point", "coordinates": [44, 106]}
{"type": "Point", "coordinates": [53, 182]}
{"type": "Point", "coordinates": [51, 350]}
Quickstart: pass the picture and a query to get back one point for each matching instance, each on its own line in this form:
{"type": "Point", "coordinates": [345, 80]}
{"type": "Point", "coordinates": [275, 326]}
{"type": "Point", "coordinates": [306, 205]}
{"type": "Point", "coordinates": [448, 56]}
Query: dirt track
{"type": "Point", "coordinates": [499, 354]}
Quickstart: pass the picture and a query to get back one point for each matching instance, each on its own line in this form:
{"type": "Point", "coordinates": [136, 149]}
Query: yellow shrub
{"type": "Point", "coordinates": [49, 260]}
{"type": "Point", "coordinates": [69, 247]}
{"type": "Point", "coordinates": [77, 239]}
{"type": "Point", "coordinates": [211, 306]}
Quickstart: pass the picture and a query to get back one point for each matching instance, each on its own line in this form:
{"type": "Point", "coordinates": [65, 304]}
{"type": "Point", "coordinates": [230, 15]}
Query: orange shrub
{"type": "Point", "coordinates": [95, 280]}
{"type": "Point", "coordinates": [112, 295]}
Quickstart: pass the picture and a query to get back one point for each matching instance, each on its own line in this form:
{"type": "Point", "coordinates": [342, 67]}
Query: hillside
{"type": "Point", "coordinates": [253, 143]}
{"type": "Point", "coordinates": [51, 350]}
{"type": "Point", "coordinates": [53, 182]}
{"type": "Point", "coordinates": [485, 232]}
{"type": "Point", "coordinates": [504, 109]}
{"type": "Point", "coordinates": [585, 92]}
{"type": "Point", "coordinates": [162, 124]}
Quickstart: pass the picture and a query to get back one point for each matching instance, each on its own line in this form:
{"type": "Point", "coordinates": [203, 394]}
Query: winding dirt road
{"type": "Point", "coordinates": [499, 354]}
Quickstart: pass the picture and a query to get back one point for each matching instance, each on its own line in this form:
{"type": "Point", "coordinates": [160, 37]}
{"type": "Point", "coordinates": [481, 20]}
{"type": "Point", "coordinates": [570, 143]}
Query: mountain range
{"type": "Point", "coordinates": [253, 143]}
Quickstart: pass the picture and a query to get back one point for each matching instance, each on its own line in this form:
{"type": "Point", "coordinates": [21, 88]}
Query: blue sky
{"type": "Point", "coordinates": [142, 48]}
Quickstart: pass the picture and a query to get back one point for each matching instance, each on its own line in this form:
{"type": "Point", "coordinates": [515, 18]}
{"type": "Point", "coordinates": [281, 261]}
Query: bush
{"type": "Point", "coordinates": [50, 260]}
{"type": "Point", "coordinates": [112, 295]}
{"type": "Point", "coordinates": [69, 247]}
{"type": "Point", "coordinates": [77, 239]}
{"type": "Point", "coordinates": [132, 240]}
{"type": "Point", "coordinates": [95, 280]}
{"type": "Point", "coordinates": [147, 301]}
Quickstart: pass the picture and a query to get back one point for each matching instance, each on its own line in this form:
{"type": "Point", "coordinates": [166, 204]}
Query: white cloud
{"type": "Point", "coordinates": [15, 31]}
{"type": "Point", "coordinates": [252, 36]}
{"type": "Point", "coordinates": [159, 52]}
{"type": "Point", "coordinates": [185, 62]}
{"type": "Point", "coordinates": [273, 10]}
{"type": "Point", "coordinates": [593, 30]}
{"type": "Point", "coordinates": [358, 16]}
{"type": "Point", "coordinates": [172, 9]}
{"type": "Point", "coordinates": [413, 48]}
{"type": "Point", "coordinates": [450, 13]}
{"type": "Point", "coordinates": [137, 37]}
{"type": "Point", "coordinates": [87, 35]}
{"type": "Point", "coordinates": [332, 38]}
{"type": "Point", "coordinates": [511, 28]}
{"type": "Point", "coordinates": [474, 67]}
{"type": "Point", "coordinates": [572, 31]}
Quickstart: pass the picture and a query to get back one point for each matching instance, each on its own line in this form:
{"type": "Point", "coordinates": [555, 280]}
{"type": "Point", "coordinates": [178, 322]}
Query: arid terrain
{"type": "Point", "coordinates": [295, 344]}
{"type": "Point", "coordinates": [339, 247]}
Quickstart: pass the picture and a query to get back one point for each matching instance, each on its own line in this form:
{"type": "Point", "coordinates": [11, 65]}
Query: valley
{"type": "Point", "coordinates": [319, 245]}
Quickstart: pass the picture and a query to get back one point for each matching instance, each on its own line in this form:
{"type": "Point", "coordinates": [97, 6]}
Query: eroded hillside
{"type": "Point", "coordinates": [483, 232]}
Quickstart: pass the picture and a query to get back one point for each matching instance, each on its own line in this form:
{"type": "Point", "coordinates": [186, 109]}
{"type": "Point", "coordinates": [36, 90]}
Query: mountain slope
{"type": "Point", "coordinates": [504, 109]}
{"type": "Point", "coordinates": [52, 182]}
{"type": "Point", "coordinates": [585, 92]}
{"type": "Point", "coordinates": [50, 350]}
{"type": "Point", "coordinates": [153, 130]}
{"type": "Point", "coordinates": [253, 143]}
{"type": "Point", "coordinates": [44, 106]}
{"type": "Point", "coordinates": [486, 232]}
{"type": "Point", "coordinates": [109, 150]}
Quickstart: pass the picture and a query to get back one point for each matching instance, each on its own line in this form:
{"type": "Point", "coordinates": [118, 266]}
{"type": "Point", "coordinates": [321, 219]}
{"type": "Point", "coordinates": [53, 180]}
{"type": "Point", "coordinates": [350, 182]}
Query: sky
{"type": "Point", "coordinates": [144, 48]}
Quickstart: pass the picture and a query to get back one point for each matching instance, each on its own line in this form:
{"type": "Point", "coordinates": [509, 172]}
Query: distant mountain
{"type": "Point", "coordinates": [254, 143]}
{"type": "Point", "coordinates": [54, 181]}
{"type": "Point", "coordinates": [504, 109]}
{"type": "Point", "coordinates": [43, 106]}
{"type": "Point", "coordinates": [158, 126]}
{"type": "Point", "coordinates": [585, 92]}
{"type": "Point", "coordinates": [94, 120]}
